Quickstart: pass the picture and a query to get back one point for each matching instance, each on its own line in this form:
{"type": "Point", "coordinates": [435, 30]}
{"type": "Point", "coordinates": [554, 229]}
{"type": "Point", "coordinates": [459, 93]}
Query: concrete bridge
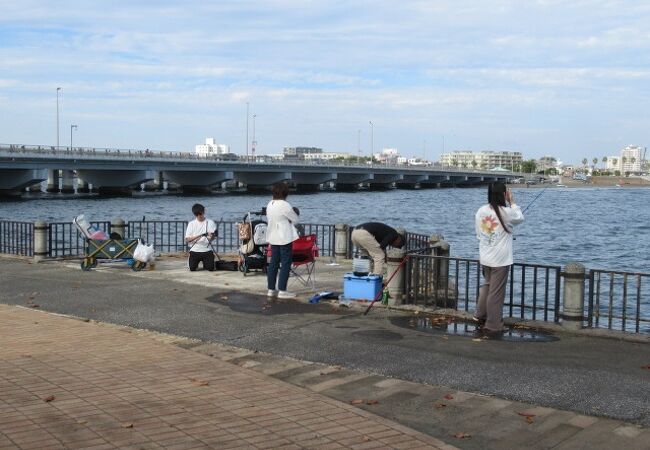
{"type": "Point", "coordinates": [118, 171]}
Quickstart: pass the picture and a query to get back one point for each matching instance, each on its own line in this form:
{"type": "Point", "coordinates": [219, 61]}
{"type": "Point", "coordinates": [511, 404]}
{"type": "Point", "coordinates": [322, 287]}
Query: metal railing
{"type": "Point", "coordinates": [615, 300]}
{"type": "Point", "coordinates": [17, 238]}
{"type": "Point", "coordinates": [325, 235]}
{"type": "Point", "coordinates": [533, 290]}
{"type": "Point", "coordinates": [64, 240]}
{"type": "Point", "coordinates": [167, 236]}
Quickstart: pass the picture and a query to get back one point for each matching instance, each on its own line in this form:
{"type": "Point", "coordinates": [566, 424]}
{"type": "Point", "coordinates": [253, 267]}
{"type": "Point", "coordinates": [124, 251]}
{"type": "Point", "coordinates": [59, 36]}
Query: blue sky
{"type": "Point", "coordinates": [566, 78]}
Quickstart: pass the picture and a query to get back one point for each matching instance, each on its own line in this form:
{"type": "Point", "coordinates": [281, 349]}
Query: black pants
{"type": "Point", "coordinates": [206, 257]}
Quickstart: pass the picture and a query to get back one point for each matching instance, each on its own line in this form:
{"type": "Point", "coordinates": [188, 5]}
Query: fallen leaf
{"type": "Point", "coordinates": [526, 414]}
{"type": "Point", "coordinates": [81, 422]}
{"type": "Point", "coordinates": [127, 425]}
{"type": "Point", "coordinates": [446, 338]}
{"type": "Point", "coordinates": [357, 401]}
{"type": "Point", "coordinates": [49, 398]}
{"type": "Point", "coordinates": [529, 419]}
{"type": "Point", "coordinates": [366, 439]}
{"type": "Point", "coordinates": [477, 339]}
{"type": "Point", "coordinates": [197, 382]}
{"type": "Point", "coordinates": [448, 397]}
{"type": "Point", "coordinates": [462, 435]}
{"type": "Point", "coordinates": [440, 405]}
{"type": "Point", "coordinates": [224, 297]}
{"type": "Point", "coordinates": [372, 402]}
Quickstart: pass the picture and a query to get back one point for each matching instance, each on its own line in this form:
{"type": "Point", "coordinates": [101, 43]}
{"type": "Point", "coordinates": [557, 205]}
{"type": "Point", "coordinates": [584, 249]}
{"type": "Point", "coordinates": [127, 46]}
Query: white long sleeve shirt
{"type": "Point", "coordinates": [495, 244]}
{"type": "Point", "coordinates": [281, 220]}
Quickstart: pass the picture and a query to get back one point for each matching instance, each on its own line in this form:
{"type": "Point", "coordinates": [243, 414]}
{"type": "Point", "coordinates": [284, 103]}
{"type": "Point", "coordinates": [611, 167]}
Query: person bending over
{"type": "Point", "coordinates": [198, 235]}
{"type": "Point", "coordinates": [372, 238]}
{"type": "Point", "coordinates": [494, 223]}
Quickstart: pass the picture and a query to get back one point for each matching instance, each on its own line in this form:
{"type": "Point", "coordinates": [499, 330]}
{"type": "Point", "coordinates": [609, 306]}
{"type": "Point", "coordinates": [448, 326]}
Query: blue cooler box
{"type": "Point", "coordinates": [361, 288]}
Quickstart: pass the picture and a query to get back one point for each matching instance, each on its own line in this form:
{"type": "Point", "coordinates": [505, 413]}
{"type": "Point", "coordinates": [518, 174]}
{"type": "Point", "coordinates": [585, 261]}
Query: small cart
{"type": "Point", "coordinates": [120, 249]}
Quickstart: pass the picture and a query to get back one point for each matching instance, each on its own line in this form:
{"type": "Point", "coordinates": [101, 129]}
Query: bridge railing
{"type": "Point", "coordinates": [51, 151]}
{"type": "Point", "coordinates": [17, 238]}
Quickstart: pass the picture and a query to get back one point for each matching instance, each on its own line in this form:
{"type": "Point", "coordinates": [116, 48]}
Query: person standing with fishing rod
{"type": "Point", "coordinates": [494, 224]}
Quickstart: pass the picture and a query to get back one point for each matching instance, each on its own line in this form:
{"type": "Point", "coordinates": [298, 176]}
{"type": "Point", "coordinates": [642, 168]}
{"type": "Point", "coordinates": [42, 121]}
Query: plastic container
{"type": "Point", "coordinates": [343, 300]}
{"type": "Point", "coordinates": [361, 288]}
{"type": "Point", "coordinates": [361, 266]}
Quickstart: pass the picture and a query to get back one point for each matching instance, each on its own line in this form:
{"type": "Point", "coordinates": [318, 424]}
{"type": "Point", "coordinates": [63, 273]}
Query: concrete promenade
{"type": "Point", "coordinates": [232, 370]}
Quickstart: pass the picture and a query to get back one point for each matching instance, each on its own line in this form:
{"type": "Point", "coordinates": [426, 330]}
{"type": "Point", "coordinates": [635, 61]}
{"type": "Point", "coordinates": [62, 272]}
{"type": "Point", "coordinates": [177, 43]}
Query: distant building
{"type": "Point", "coordinates": [482, 160]}
{"type": "Point", "coordinates": [547, 162]}
{"type": "Point", "coordinates": [631, 159]}
{"type": "Point", "coordinates": [387, 155]}
{"type": "Point", "coordinates": [300, 152]}
{"type": "Point", "coordinates": [211, 148]}
{"type": "Point", "coordinates": [613, 163]}
{"type": "Point", "coordinates": [326, 156]}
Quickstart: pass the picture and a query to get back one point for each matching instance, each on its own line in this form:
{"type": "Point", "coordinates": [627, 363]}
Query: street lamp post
{"type": "Point", "coordinates": [372, 141]}
{"type": "Point", "coordinates": [57, 117]}
{"type": "Point", "coordinates": [246, 131]}
{"type": "Point", "coordinates": [358, 147]}
{"type": "Point", "coordinates": [254, 141]}
{"type": "Point", "coordinates": [72, 127]}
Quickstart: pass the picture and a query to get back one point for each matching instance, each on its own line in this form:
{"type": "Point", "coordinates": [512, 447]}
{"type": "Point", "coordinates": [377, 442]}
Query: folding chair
{"type": "Point", "coordinates": [303, 262]}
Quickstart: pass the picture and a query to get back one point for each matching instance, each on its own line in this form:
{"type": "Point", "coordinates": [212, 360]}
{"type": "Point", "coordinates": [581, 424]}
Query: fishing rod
{"type": "Point", "coordinates": [533, 200]}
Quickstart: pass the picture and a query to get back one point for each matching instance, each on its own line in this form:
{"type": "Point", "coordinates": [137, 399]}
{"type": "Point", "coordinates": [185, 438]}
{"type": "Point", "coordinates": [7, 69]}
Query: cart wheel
{"type": "Point", "coordinates": [138, 266]}
{"type": "Point", "coordinates": [94, 264]}
{"type": "Point", "coordinates": [87, 264]}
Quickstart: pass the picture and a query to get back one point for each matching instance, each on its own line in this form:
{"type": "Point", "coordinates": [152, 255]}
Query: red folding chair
{"type": "Point", "coordinates": [303, 262]}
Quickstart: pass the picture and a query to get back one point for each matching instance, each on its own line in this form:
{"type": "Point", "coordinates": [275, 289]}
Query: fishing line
{"type": "Point", "coordinates": [533, 200]}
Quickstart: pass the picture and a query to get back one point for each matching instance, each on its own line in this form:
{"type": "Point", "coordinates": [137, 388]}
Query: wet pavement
{"type": "Point", "coordinates": [562, 373]}
{"type": "Point", "coordinates": [453, 326]}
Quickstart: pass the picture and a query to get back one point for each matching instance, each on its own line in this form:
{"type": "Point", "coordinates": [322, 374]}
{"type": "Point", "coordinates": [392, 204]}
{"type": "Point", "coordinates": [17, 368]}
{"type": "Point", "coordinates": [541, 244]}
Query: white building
{"type": "Point", "coordinates": [211, 148]}
{"type": "Point", "coordinates": [326, 156]}
{"type": "Point", "coordinates": [482, 160]}
{"type": "Point", "coordinates": [613, 163]}
{"type": "Point", "coordinates": [630, 160]}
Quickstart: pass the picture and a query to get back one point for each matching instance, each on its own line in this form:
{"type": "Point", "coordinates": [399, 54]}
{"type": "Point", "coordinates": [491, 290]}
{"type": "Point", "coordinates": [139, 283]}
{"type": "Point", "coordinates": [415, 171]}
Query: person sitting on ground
{"type": "Point", "coordinates": [198, 235]}
{"type": "Point", "coordinates": [372, 238]}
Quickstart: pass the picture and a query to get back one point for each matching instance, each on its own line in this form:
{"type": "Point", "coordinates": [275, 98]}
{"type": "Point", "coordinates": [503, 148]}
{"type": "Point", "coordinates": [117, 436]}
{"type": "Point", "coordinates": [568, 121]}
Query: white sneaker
{"type": "Point", "coordinates": [286, 294]}
{"type": "Point", "coordinates": [272, 293]}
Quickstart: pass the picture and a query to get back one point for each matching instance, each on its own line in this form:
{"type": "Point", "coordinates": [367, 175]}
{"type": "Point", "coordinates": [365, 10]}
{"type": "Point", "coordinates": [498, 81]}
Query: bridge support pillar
{"type": "Point", "coordinates": [82, 186]}
{"type": "Point", "coordinates": [574, 296]}
{"type": "Point", "coordinates": [53, 181]}
{"type": "Point", "coordinates": [67, 187]}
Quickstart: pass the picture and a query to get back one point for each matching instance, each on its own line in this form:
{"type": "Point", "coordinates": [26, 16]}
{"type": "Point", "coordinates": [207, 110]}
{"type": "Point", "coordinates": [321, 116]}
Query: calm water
{"type": "Point", "coordinates": [600, 227]}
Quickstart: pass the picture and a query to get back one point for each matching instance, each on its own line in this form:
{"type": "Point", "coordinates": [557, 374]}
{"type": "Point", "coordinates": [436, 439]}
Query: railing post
{"type": "Point", "coordinates": [118, 226]}
{"type": "Point", "coordinates": [40, 240]}
{"type": "Point", "coordinates": [441, 266]}
{"type": "Point", "coordinates": [341, 240]}
{"type": "Point", "coordinates": [574, 296]}
{"type": "Point", "coordinates": [394, 258]}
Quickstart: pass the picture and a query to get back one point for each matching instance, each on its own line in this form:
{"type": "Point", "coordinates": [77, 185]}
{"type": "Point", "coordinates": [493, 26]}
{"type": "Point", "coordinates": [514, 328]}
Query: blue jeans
{"type": "Point", "coordinates": [281, 256]}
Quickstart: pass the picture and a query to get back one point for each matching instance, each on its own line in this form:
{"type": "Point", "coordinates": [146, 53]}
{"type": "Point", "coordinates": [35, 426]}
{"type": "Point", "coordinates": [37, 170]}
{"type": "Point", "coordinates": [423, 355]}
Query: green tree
{"type": "Point", "coordinates": [614, 162]}
{"type": "Point", "coordinates": [454, 162]}
{"type": "Point", "coordinates": [529, 166]}
{"type": "Point", "coordinates": [604, 160]}
{"type": "Point", "coordinates": [584, 162]}
{"type": "Point", "coordinates": [474, 163]}
{"type": "Point", "coordinates": [595, 161]}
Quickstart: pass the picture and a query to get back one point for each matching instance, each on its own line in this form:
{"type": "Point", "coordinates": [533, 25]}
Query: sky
{"type": "Point", "coordinates": [569, 79]}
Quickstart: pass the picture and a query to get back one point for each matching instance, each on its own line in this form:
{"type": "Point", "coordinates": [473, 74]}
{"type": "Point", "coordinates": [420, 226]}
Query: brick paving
{"type": "Point", "coordinates": [70, 384]}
